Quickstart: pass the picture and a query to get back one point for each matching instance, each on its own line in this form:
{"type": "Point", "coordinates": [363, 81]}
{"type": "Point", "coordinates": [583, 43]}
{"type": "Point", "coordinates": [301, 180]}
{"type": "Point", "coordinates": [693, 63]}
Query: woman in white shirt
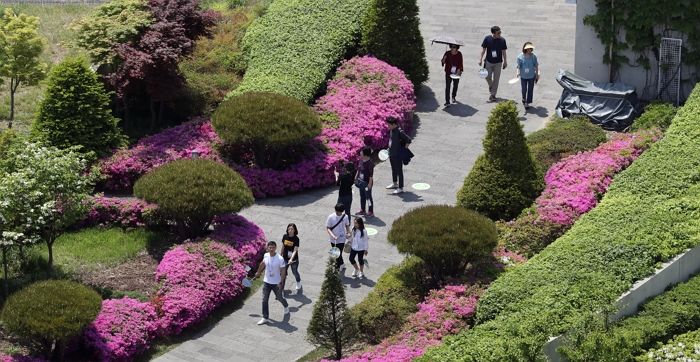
{"type": "Point", "coordinates": [360, 244]}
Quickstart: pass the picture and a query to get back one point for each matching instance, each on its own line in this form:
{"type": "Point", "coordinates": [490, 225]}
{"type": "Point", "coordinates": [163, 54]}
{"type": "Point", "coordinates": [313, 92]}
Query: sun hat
{"type": "Point", "coordinates": [529, 46]}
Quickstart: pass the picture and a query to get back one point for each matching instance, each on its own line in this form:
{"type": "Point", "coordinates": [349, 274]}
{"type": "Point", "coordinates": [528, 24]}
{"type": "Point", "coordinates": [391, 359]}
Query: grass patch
{"type": "Point", "coordinates": [165, 344]}
{"type": "Point", "coordinates": [54, 26]}
{"type": "Point", "coordinates": [316, 355]}
{"type": "Point", "coordinates": [99, 247]}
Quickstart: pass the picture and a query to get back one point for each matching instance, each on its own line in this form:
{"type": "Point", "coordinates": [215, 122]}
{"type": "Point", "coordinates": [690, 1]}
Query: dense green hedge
{"type": "Point", "coordinates": [294, 47]}
{"type": "Point", "coordinates": [673, 312]}
{"type": "Point", "coordinates": [561, 138]}
{"type": "Point", "coordinates": [685, 347]}
{"type": "Point", "coordinates": [392, 300]}
{"type": "Point", "coordinates": [650, 213]}
{"type": "Point", "coordinates": [656, 114]}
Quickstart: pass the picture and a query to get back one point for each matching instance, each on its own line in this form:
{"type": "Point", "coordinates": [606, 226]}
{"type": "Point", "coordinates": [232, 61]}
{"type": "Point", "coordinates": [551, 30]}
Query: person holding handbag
{"type": "Point", "coordinates": [338, 227]}
{"type": "Point", "coordinates": [360, 244]}
{"type": "Point", "coordinates": [290, 253]}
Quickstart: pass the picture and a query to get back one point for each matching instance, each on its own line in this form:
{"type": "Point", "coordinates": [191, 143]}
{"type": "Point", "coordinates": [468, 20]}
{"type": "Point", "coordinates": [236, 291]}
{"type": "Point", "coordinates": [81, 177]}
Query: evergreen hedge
{"type": "Point", "coordinates": [503, 180]}
{"type": "Point", "coordinates": [656, 114]}
{"type": "Point", "coordinates": [76, 111]}
{"type": "Point", "coordinates": [650, 214]}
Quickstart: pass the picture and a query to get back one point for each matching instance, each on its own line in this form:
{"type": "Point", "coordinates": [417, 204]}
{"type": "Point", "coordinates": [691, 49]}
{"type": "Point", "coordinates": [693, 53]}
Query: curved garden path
{"type": "Point", "coordinates": [446, 143]}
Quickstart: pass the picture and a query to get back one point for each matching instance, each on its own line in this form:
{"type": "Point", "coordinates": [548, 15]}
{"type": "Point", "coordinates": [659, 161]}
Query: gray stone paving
{"type": "Point", "coordinates": [446, 144]}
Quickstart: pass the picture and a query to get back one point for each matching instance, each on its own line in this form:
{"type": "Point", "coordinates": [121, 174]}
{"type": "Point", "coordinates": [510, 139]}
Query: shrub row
{"type": "Point", "coordinates": [683, 348]}
{"type": "Point", "coordinates": [656, 114]}
{"type": "Point", "coordinates": [194, 279]}
{"type": "Point", "coordinates": [119, 212]}
{"type": "Point", "coordinates": [659, 319]}
{"type": "Point", "coordinates": [293, 48]}
{"type": "Point", "coordinates": [649, 215]}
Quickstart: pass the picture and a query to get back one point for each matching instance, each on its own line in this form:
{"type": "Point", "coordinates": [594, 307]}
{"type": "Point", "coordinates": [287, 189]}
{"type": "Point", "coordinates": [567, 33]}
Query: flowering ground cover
{"type": "Point", "coordinates": [362, 95]}
{"type": "Point", "coordinates": [121, 212]}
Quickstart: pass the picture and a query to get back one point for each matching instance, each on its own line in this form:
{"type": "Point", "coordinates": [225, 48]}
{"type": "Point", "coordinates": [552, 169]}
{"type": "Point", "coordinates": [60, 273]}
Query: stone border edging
{"type": "Point", "coordinates": [677, 270]}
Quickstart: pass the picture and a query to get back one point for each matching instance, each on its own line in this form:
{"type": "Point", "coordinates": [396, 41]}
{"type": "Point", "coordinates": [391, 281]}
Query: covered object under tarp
{"type": "Point", "coordinates": [613, 106]}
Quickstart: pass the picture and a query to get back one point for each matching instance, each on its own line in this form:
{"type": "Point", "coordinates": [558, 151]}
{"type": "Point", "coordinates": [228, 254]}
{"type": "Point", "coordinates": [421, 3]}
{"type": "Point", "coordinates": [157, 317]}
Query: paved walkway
{"type": "Point", "coordinates": [446, 144]}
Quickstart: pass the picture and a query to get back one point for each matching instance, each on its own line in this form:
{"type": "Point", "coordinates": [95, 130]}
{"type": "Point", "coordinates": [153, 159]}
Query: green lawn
{"type": "Point", "coordinates": [54, 26]}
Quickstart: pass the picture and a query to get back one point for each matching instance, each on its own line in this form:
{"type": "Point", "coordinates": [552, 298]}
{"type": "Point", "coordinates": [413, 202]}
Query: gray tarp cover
{"type": "Point", "coordinates": [613, 106]}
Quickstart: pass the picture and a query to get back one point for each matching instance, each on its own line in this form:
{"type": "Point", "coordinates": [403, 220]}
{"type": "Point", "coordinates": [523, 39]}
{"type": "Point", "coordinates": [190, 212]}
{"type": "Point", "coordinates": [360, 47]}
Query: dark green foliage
{"type": "Point", "coordinates": [662, 317]}
{"type": "Point", "coordinates": [274, 127]}
{"type": "Point", "coordinates": [50, 312]}
{"type": "Point", "coordinates": [648, 215]}
{"type": "Point", "coordinates": [332, 325]}
{"type": "Point", "coordinates": [76, 112]}
{"type": "Point", "coordinates": [391, 33]}
{"type": "Point", "coordinates": [503, 180]}
{"type": "Point", "coordinates": [561, 138]}
{"type": "Point", "coordinates": [656, 114]}
{"type": "Point", "coordinates": [394, 297]}
{"type": "Point", "coordinates": [526, 235]}
{"type": "Point", "coordinates": [192, 192]}
{"type": "Point", "coordinates": [445, 237]}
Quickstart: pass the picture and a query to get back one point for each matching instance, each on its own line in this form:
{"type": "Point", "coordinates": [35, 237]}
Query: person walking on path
{"type": "Point", "coordinates": [397, 141]}
{"type": "Point", "coordinates": [454, 66]}
{"type": "Point", "coordinates": [338, 228]}
{"type": "Point", "coordinates": [364, 180]}
{"type": "Point", "coordinates": [290, 253]}
{"type": "Point", "coordinates": [344, 181]}
{"type": "Point", "coordinates": [529, 72]}
{"type": "Point", "coordinates": [360, 245]}
{"type": "Point", "coordinates": [273, 266]}
{"type": "Point", "coordinates": [494, 46]}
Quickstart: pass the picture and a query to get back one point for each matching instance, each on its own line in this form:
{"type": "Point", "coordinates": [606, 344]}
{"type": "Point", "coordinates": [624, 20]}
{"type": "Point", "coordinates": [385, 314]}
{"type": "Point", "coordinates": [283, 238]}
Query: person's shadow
{"type": "Point", "coordinates": [461, 110]}
{"type": "Point", "coordinates": [355, 283]}
{"type": "Point", "coordinates": [299, 297]}
{"type": "Point", "coordinates": [408, 196]}
{"type": "Point", "coordinates": [282, 324]}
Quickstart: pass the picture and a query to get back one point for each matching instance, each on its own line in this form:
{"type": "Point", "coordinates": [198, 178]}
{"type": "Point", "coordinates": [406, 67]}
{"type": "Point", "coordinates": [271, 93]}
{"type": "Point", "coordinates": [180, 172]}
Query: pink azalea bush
{"type": "Point", "coordinates": [116, 211]}
{"type": "Point", "coordinates": [123, 329]}
{"type": "Point", "coordinates": [246, 237]}
{"type": "Point", "coordinates": [575, 184]}
{"type": "Point", "coordinates": [444, 312]}
{"type": "Point", "coordinates": [123, 168]}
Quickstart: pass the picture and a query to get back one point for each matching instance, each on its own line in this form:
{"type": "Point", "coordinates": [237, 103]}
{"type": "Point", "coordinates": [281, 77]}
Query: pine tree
{"type": "Point", "coordinates": [391, 33]}
{"type": "Point", "coordinates": [504, 179]}
{"type": "Point", "coordinates": [331, 324]}
{"type": "Point", "coordinates": [75, 111]}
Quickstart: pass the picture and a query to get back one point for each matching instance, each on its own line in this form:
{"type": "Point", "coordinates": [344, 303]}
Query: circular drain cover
{"type": "Point", "coordinates": [420, 186]}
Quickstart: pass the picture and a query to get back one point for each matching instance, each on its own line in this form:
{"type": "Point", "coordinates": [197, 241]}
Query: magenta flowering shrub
{"type": "Point", "coordinates": [246, 237]}
{"type": "Point", "coordinates": [444, 312]}
{"type": "Point", "coordinates": [196, 278]}
{"type": "Point", "coordinates": [116, 211]}
{"type": "Point", "coordinates": [123, 329]}
{"type": "Point", "coordinates": [123, 168]}
{"type": "Point", "coordinates": [575, 184]}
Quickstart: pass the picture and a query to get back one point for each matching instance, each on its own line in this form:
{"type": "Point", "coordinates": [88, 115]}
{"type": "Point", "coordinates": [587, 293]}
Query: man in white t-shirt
{"type": "Point", "coordinates": [273, 266]}
{"type": "Point", "coordinates": [338, 227]}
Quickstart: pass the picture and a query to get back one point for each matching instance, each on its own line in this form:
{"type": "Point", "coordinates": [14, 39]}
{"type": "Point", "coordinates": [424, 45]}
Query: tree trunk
{"type": "Point", "coordinates": [13, 88]}
{"type": "Point", "coordinates": [4, 272]}
{"type": "Point", "coordinates": [161, 110]}
{"type": "Point", "coordinates": [49, 244]}
{"type": "Point", "coordinates": [153, 114]}
{"type": "Point", "coordinates": [57, 353]}
{"type": "Point", "coordinates": [127, 118]}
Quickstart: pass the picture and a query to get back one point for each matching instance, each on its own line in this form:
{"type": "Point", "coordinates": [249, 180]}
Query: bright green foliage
{"type": "Point", "coordinates": [51, 311]}
{"type": "Point", "coordinates": [503, 181]}
{"type": "Point", "coordinates": [656, 114]}
{"type": "Point", "coordinates": [650, 213]}
{"type": "Point", "coordinates": [662, 317]}
{"type": "Point", "coordinates": [562, 138]}
{"type": "Point", "coordinates": [192, 192]}
{"type": "Point", "coordinates": [682, 348]}
{"type": "Point", "coordinates": [395, 296]}
{"type": "Point", "coordinates": [332, 325]}
{"type": "Point", "coordinates": [295, 46]}
{"type": "Point", "coordinates": [445, 237]}
{"type": "Point", "coordinates": [268, 124]}
{"type": "Point", "coordinates": [8, 137]}
{"type": "Point", "coordinates": [391, 33]}
{"type": "Point", "coordinates": [112, 23]}
{"type": "Point", "coordinates": [20, 48]}
{"type": "Point", "coordinates": [75, 111]}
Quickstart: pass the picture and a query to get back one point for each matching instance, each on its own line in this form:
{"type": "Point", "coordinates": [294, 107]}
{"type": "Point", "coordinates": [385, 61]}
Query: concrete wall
{"type": "Point", "coordinates": [589, 64]}
{"type": "Point", "coordinates": [675, 271]}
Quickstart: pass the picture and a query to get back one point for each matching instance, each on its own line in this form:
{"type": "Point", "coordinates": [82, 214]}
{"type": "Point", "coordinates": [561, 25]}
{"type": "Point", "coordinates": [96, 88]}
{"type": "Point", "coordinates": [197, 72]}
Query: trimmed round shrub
{"type": "Point", "coordinates": [76, 111]}
{"type": "Point", "coordinates": [273, 128]}
{"type": "Point", "coordinates": [445, 237]}
{"type": "Point", "coordinates": [192, 192]}
{"type": "Point", "coordinates": [396, 295]}
{"type": "Point", "coordinates": [562, 138]}
{"type": "Point", "coordinates": [51, 312]}
{"type": "Point", "coordinates": [503, 180]}
{"type": "Point", "coordinates": [656, 114]}
{"type": "Point", "coordinates": [390, 32]}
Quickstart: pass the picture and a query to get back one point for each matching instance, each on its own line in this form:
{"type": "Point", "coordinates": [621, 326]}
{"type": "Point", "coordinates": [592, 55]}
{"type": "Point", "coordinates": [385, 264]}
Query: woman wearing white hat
{"type": "Point", "coordinates": [528, 71]}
